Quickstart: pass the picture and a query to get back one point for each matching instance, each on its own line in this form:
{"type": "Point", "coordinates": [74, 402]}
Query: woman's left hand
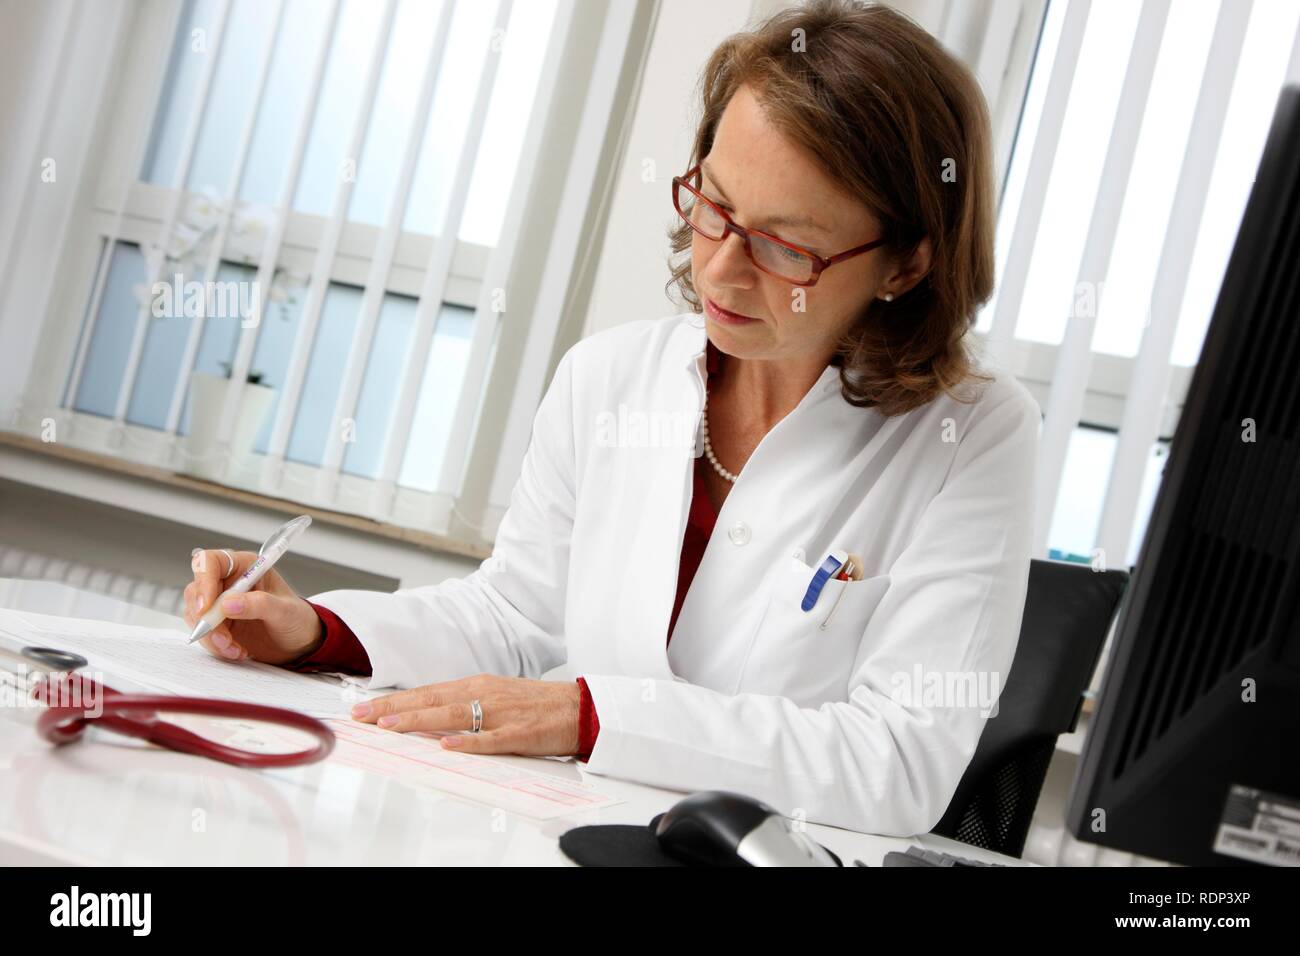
{"type": "Point", "coordinates": [520, 716]}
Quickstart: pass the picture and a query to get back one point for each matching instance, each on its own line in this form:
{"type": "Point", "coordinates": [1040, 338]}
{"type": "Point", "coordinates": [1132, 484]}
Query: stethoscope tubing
{"type": "Point", "coordinates": [136, 715]}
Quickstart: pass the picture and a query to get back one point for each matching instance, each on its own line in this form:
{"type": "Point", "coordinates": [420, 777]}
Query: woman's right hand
{"type": "Point", "coordinates": [269, 623]}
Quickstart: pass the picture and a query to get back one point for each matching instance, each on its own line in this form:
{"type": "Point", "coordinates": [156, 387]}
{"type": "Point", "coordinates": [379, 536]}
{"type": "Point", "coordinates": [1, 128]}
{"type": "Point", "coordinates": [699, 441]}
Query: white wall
{"type": "Point", "coordinates": [28, 42]}
{"type": "Point", "coordinates": [629, 282]}
{"type": "Point", "coordinates": [30, 37]}
{"type": "Point", "coordinates": [63, 51]}
{"type": "Point", "coordinates": [630, 276]}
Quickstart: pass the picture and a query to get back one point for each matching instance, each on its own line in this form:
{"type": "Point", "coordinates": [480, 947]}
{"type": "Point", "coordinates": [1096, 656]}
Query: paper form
{"type": "Point", "coordinates": [159, 658]}
{"type": "Point", "coordinates": [421, 761]}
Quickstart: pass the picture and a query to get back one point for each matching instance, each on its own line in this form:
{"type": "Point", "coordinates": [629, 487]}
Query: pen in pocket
{"type": "Point", "coordinates": [850, 571]}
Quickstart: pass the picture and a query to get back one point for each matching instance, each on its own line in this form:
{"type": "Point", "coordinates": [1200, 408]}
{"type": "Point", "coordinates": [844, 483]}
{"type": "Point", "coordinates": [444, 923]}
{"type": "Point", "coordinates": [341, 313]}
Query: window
{"type": "Point", "coordinates": [1100, 471]}
{"type": "Point", "coordinates": [294, 254]}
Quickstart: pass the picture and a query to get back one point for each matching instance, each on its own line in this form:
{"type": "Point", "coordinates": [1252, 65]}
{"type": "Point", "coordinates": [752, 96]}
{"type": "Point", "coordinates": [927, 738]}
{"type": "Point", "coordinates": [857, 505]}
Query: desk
{"type": "Point", "coordinates": [122, 803]}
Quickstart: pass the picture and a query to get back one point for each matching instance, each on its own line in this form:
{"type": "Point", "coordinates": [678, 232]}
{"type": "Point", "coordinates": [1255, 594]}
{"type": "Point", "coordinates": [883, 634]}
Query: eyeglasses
{"type": "Point", "coordinates": [774, 256]}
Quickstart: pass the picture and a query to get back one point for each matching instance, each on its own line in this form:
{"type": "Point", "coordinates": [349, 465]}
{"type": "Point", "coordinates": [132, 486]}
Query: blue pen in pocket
{"type": "Point", "coordinates": [829, 568]}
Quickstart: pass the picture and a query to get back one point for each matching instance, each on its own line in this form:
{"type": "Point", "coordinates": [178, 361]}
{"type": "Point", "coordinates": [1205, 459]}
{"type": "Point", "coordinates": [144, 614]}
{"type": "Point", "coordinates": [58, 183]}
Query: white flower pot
{"type": "Point", "coordinates": [203, 457]}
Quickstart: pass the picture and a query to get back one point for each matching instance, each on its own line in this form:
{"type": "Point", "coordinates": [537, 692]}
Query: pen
{"type": "Point", "coordinates": [851, 570]}
{"type": "Point", "coordinates": [272, 550]}
{"type": "Point", "coordinates": [828, 568]}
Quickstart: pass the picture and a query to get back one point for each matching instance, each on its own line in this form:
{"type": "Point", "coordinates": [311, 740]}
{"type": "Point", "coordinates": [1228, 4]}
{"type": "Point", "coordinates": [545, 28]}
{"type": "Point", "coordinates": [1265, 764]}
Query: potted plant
{"type": "Point", "coordinates": [203, 454]}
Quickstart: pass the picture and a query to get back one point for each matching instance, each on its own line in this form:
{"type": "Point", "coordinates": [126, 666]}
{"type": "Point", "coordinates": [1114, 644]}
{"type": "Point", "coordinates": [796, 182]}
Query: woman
{"type": "Point", "coordinates": [838, 212]}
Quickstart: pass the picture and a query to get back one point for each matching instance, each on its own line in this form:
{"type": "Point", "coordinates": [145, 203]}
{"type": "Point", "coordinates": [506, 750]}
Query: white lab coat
{"type": "Point", "coordinates": [752, 694]}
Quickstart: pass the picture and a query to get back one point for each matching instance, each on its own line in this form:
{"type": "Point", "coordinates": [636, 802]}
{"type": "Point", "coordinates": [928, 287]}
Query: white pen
{"type": "Point", "coordinates": [272, 550]}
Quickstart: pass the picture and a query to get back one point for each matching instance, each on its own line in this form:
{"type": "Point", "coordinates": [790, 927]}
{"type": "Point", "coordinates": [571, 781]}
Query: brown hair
{"type": "Point", "coordinates": [884, 110]}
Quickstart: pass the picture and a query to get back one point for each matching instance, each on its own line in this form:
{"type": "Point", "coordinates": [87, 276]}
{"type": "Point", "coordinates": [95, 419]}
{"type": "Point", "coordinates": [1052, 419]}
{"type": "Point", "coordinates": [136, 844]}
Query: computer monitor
{"type": "Point", "coordinates": [1193, 754]}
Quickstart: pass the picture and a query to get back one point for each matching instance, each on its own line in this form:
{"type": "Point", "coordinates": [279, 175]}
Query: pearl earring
{"type": "Point", "coordinates": [888, 297]}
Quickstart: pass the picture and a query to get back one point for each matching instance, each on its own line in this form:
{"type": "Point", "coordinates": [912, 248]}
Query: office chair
{"type": "Point", "coordinates": [1068, 612]}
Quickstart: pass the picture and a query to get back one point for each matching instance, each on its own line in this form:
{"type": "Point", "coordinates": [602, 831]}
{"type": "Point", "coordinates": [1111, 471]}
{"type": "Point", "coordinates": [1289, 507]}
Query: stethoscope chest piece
{"type": "Point", "coordinates": [48, 658]}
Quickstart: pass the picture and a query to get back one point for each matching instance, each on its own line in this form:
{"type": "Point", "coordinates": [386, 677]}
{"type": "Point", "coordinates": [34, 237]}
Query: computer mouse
{"type": "Point", "coordinates": [717, 828]}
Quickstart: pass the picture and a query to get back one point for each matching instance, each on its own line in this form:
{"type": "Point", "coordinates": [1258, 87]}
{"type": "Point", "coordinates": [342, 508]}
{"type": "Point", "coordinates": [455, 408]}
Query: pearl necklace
{"type": "Point", "coordinates": [708, 446]}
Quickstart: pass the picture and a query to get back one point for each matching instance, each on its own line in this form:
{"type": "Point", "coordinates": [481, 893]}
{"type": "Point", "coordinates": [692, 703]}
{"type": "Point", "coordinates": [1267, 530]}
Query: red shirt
{"type": "Point", "coordinates": [341, 650]}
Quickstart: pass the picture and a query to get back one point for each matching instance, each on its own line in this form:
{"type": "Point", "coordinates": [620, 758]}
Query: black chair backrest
{"type": "Point", "coordinates": [1068, 612]}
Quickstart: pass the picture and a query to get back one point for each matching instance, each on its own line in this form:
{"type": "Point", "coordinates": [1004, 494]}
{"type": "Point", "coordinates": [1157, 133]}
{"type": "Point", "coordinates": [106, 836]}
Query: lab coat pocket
{"type": "Point", "coordinates": [808, 656]}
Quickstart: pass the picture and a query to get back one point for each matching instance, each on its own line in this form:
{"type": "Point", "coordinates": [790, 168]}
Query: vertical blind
{"type": "Point", "coordinates": [1140, 134]}
{"type": "Point", "coordinates": [348, 176]}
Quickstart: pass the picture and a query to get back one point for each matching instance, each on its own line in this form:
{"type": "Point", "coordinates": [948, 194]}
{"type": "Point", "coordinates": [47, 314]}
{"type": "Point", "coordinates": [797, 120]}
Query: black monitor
{"type": "Point", "coordinates": [1193, 755]}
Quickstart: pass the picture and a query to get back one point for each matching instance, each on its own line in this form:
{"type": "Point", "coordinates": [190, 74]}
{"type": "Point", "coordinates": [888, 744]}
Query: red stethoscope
{"type": "Point", "coordinates": [136, 715]}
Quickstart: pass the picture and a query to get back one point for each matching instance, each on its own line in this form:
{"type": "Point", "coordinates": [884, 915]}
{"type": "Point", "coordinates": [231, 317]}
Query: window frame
{"type": "Point", "coordinates": [615, 47]}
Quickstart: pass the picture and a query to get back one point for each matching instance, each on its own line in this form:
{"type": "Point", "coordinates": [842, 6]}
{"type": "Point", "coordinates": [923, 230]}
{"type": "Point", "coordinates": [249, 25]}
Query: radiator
{"type": "Point", "coordinates": [29, 565]}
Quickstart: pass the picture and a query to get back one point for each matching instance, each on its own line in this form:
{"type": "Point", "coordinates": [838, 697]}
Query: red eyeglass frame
{"type": "Point", "coordinates": [819, 263]}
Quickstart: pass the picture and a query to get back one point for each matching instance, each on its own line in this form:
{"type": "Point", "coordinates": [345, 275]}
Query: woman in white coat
{"type": "Point", "coordinates": [836, 226]}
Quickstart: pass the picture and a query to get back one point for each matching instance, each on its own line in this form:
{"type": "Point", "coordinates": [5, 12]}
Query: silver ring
{"type": "Point", "coordinates": [230, 557]}
{"type": "Point", "coordinates": [477, 711]}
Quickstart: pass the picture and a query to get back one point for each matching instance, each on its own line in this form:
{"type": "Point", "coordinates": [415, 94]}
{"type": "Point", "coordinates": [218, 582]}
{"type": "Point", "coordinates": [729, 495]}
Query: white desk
{"type": "Point", "coordinates": [107, 800]}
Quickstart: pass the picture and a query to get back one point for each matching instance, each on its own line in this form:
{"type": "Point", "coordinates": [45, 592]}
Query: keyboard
{"type": "Point", "coordinates": [919, 856]}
